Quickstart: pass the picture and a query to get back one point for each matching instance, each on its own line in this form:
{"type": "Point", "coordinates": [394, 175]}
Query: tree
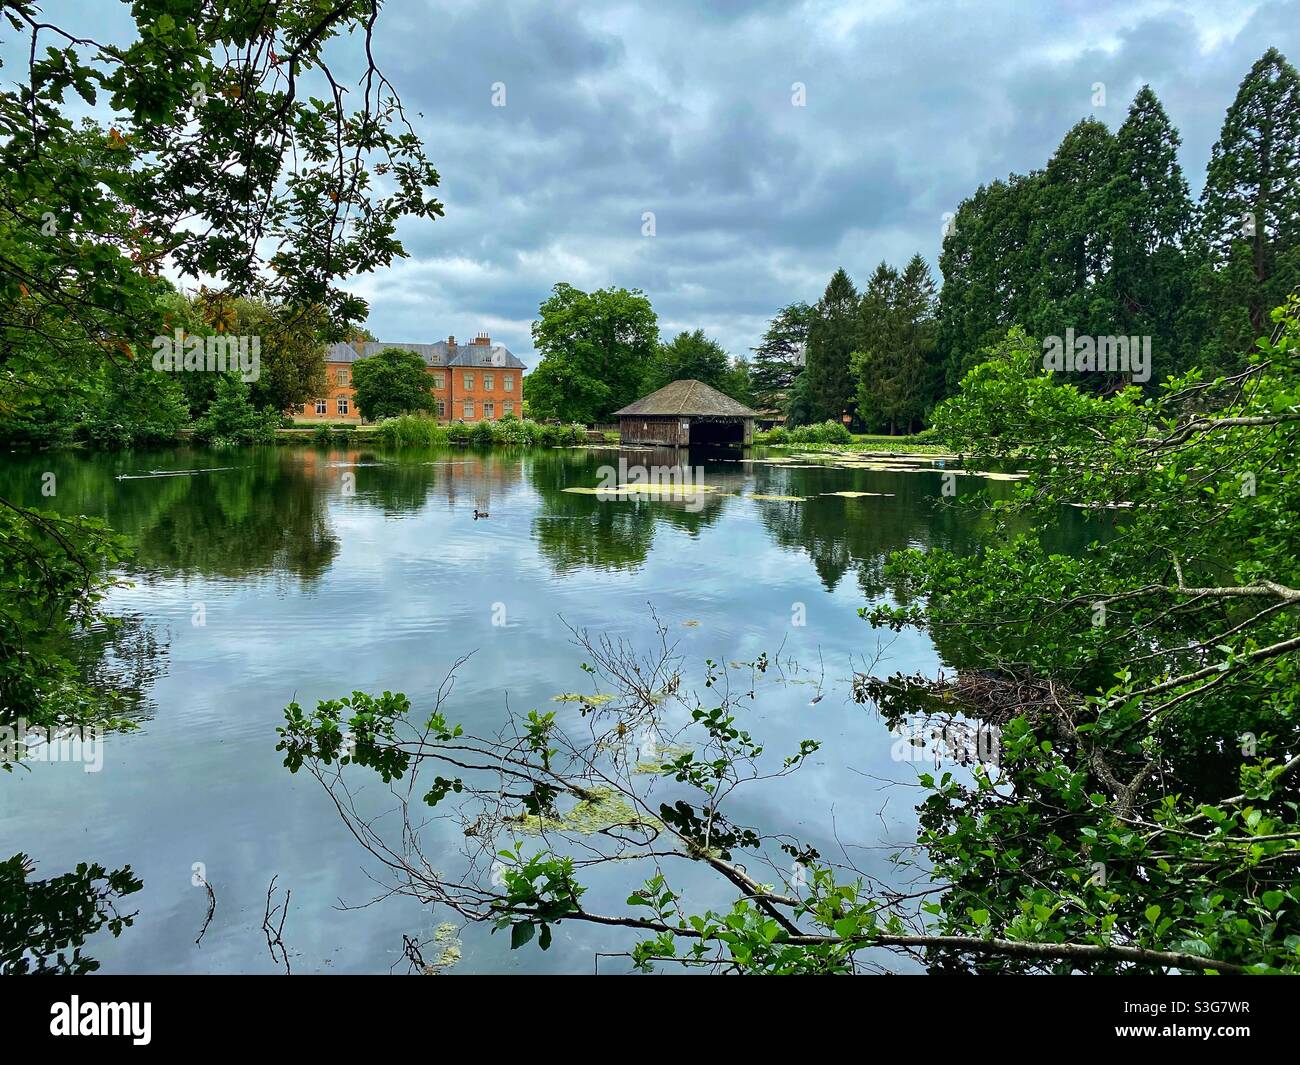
{"type": "Point", "coordinates": [831, 340]}
{"type": "Point", "coordinates": [390, 384]}
{"type": "Point", "coordinates": [1251, 203]}
{"type": "Point", "coordinates": [135, 406]}
{"type": "Point", "coordinates": [988, 269]}
{"type": "Point", "coordinates": [894, 371]}
{"type": "Point", "coordinates": [779, 357]}
{"type": "Point", "coordinates": [738, 382]}
{"type": "Point", "coordinates": [1070, 242]}
{"type": "Point", "coordinates": [1152, 225]}
{"type": "Point", "coordinates": [292, 352]}
{"type": "Point", "coordinates": [213, 163]}
{"type": "Point", "coordinates": [689, 356]}
{"type": "Point", "coordinates": [233, 419]}
{"type": "Point", "coordinates": [594, 347]}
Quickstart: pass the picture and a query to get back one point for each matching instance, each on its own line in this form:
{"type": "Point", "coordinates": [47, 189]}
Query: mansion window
{"type": "Point", "coordinates": [509, 406]}
{"type": "Point", "coordinates": [487, 382]}
{"type": "Point", "coordinates": [341, 377]}
{"type": "Point", "coordinates": [439, 380]}
{"type": "Point", "coordinates": [509, 383]}
{"type": "Point", "coordinates": [488, 409]}
{"type": "Point", "coordinates": [342, 403]}
{"type": "Point", "coordinates": [320, 406]}
{"type": "Point", "coordinates": [442, 409]}
{"type": "Point", "coordinates": [467, 410]}
{"type": "Point", "coordinates": [469, 382]}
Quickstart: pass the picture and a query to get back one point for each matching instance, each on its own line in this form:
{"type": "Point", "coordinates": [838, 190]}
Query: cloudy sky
{"type": "Point", "coordinates": [616, 109]}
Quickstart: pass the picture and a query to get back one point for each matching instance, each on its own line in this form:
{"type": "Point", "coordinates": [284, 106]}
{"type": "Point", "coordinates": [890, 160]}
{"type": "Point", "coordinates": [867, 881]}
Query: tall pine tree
{"type": "Point", "coordinates": [1071, 246]}
{"type": "Point", "coordinates": [893, 368]}
{"type": "Point", "coordinates": [1251, 207]}
{"type": "Point", "coordinates": [826, 378]}
{"type": "Point", "coordinates": [988, 271]}
{"type": "Point", "coordinates": [1151, 230]}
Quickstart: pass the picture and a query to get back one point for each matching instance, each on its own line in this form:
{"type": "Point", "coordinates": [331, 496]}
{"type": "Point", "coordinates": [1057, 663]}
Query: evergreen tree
{"type": "Point", "coordinates": [988, 271]}
{"type": "Point", "coordinates": [1151, 226]}
{"type": "Point", "coordinates": [779, 357]}
{"type": "Point", "coordinates": [1071, 238]}
{"type": "Point", "coordinates": [830, 343]}
{"type": "Point", "coordinates": [893, 368]}
{"type": "Point", "coordinates": [1251, 206]}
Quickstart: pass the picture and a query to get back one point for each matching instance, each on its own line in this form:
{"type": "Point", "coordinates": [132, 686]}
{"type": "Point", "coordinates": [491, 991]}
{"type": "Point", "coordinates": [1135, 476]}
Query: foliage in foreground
{"type": "Point", "coordinates": [200, 113]}
{"type": "Point", "coordinates": [1147, 688]}
{"type": "Point", "coordinates": [41, 919]}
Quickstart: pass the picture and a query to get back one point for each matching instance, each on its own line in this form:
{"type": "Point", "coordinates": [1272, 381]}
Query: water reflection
{"type": "Point", "coordinates": [268, 511]}
{"type": "Point", "coordinates": [328, 571]}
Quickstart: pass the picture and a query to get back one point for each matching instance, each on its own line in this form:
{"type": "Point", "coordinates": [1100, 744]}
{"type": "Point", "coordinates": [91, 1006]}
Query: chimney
{"type": "Point", "coordinates": [451, 342]}
{"type": "Point", "coordinates": [482, 338]}
{"type": "Point", "coordinates": [359, 345]}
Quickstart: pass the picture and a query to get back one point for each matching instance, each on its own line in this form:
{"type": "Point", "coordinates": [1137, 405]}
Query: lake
{"type": "Point", "coordinates": [267, 575]}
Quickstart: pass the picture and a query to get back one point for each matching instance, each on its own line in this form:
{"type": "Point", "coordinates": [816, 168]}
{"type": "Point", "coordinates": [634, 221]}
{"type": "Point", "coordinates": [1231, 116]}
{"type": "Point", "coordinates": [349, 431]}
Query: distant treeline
{"type": "Point", "coordinates": [1104, 240]}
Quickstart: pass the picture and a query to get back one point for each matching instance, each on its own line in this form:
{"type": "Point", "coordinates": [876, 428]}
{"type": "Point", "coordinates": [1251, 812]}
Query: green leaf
{"type": "Point", "coordinates": [520, 934]}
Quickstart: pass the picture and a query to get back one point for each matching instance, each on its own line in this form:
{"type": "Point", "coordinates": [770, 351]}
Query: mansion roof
{"type": "Point", "coordinates": [487, 356]}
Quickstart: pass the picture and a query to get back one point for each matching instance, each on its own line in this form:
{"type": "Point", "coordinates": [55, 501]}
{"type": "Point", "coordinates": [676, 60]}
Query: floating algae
{"type": "Point", "coordinates": [782, 499]}
{"type": "Point", "coordinates": [603, 808]}
{"type": "Point", "coordinates": [856, 495]}
{"type": "Point", "coordinates": [575, 697]}
{"type": "Point", "coordinates": [448, 944]}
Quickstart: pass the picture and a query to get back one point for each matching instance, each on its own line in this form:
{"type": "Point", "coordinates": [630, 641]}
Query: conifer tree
{"type": "Point", "coordinates": [779, 357]}
{"type": "Point", "coordinates": [1151, 230]}
{"type": "Point", "coordinates": [1251, 205]}
{"type": "Point", "coordinates": [830, 342]}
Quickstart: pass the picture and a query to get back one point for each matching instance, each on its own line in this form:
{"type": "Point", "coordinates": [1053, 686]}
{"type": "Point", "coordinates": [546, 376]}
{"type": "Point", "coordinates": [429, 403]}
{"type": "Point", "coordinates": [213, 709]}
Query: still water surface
{"type": "Point", "coordinates": [322, 572]}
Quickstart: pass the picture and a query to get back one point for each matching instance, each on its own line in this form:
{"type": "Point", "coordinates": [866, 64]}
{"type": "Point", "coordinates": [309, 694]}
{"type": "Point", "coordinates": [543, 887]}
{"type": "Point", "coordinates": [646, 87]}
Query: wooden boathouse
{"type": "Point", "coordinates": [684, 413]}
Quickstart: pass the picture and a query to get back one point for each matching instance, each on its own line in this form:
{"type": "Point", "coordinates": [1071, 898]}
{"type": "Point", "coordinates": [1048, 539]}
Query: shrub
{"type": "Point", "coordinates": [323, 436]}
{"type": "Point", "coordinates": [411, 430]}
{"type": "Point", "coordinates": [827, 432]}
{"type": "Point", "coordinates": [231, 419]}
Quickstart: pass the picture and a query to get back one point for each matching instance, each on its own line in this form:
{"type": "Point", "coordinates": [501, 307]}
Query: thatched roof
{"type": "Point", "coordinates": [686, 398]}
